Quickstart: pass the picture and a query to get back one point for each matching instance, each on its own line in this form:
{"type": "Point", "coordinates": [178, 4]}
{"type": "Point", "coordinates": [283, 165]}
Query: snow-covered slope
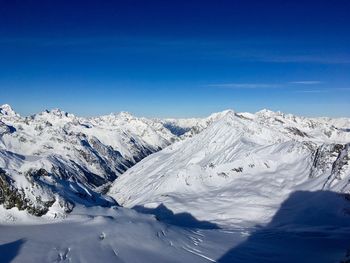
{"type": "Point", "coordinates": [241, 168]}
{"type": "Point", "coordinates": [55, 159]}
{"type": "Point", "coordinates": [189, 127]}
{"type": "Point", "coordinates": [309, 227]}
{"type": "Point", "coordinates": [341, 123]}
{"type": "Point", "coordinates": [233, 187]}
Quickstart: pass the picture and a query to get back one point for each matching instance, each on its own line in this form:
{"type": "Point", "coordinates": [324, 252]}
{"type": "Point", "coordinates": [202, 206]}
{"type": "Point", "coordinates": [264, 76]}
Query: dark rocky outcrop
{"type": "Point", "coordinates": [12, 197]}
{"type": "Point", "coordinates": [334, 160]}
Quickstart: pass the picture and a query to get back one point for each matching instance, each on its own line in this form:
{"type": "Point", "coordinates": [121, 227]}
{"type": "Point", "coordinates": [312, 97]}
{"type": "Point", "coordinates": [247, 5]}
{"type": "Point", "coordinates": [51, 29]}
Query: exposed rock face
{"type": "Point", "coordinates": [297, 132]}
{"type": "Point", "coordinates": [10, 197]}
{"type": "Point", "coordinates": [6, 129]}
{"type": "Point", "coordinates": [340, 170]}
{"type": "Point", "coordinates": [38, 191]}
{"type": "Point", "coordinates": [324, 158]}
{"type": "Point", "coordinates": [334, 161]}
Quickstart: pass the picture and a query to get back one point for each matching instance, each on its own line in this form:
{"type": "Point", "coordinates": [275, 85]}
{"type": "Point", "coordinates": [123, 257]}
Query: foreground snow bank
{"type": "Point", "coordinates": [308, 227]}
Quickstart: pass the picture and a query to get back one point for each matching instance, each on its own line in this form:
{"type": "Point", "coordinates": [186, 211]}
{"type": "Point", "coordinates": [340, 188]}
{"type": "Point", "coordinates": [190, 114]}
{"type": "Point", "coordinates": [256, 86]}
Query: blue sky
{"type": "Point", "coordinates": [175, 58]}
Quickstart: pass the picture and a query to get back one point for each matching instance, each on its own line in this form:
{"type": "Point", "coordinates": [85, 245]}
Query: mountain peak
{"type": "Point", "coordinates": [221, 114]}
{"type": "Point", "coordinates": [56, 112]}
{"type": "Point", "coordinates": [266, 112]}
{"type": "Point", "coordinates": [7, 110]}
{"type": "Point", "coordinates": [125, 115]}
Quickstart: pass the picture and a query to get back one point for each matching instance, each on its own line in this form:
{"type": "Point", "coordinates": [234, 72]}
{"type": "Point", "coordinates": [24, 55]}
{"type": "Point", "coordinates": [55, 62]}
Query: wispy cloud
{"type": "Point", "coordinates": [306, 82]}
{"type": "Point", "coordinates": [314, 59]}
{"type": "Point", "coordinates": [242, 50]}
{"type": "Point", "coordinates": [236, 85]}
{"type": "Point", "coordinates": [313, 91]}
{"type": "Point", "coordinates": [323, 90]}
{"type": "Point", "coordinates": [243, 85]}
{"type": "Point", "coordinates": [340, 89]}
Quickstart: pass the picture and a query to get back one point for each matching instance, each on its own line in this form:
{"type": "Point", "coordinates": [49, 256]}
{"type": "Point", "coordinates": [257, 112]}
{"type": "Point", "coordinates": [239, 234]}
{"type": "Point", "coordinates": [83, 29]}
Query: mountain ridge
{"type": "Point", "coordinates": [71, 160]}
{"type": "Point", "coordinates": [240, 158]}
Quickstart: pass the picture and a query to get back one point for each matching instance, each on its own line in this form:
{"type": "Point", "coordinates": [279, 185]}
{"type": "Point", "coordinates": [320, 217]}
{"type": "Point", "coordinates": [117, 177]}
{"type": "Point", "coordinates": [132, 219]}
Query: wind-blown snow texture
{"type": "Point", "coordinates": [227, 188]}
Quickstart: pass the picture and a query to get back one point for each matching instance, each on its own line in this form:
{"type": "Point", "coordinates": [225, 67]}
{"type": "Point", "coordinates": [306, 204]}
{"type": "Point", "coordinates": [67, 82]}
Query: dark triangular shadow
{"type": "Point", "coordinates": [185, 220]}
{"type": "Point", "coordinates": [308, 227]}
{"type": "Point", "coordinates": [10, 250]}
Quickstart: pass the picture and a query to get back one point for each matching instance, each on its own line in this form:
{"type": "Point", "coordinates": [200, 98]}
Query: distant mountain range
{"type": "Point", "coordinates": [53, 160]}
{"type": "Point", "coordinates": [232, 187]}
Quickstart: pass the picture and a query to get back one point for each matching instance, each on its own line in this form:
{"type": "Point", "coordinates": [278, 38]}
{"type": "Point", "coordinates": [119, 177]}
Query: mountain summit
{"type": "Point", "coordinates": [6, 110]}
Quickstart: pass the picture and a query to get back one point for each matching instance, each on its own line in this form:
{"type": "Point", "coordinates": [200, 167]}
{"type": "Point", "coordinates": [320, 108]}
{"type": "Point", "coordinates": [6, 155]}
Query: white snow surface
{"type": "Point", "coordinates": [238, 170]}
{"type": "Point", "coordinates": [233, 187]}
{"type": "Point", "coordinates": [80, 156]}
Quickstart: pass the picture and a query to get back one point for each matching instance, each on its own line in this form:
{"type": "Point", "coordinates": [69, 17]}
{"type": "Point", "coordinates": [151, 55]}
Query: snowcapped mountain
{"type": "Point", "coordinates": [241, 168]}
{"type": "Point", "coordinates": [189, 127]}
{"type": "Point", "coordinates": [202, 190]}
{"type": "Point", "coordinates": [343, 123]}
{"type": "Point", "coordinates": [55, 159]}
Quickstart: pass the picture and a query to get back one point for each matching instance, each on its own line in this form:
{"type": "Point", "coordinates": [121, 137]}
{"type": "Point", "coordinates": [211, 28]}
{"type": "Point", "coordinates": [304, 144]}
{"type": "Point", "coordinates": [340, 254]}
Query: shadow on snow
{"type": "Point", "coordinates": [185, 220]}
{"type": "Point", "coordinates": [10, 250]}
{"type": "Point", "coordinates": [308, 227]}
